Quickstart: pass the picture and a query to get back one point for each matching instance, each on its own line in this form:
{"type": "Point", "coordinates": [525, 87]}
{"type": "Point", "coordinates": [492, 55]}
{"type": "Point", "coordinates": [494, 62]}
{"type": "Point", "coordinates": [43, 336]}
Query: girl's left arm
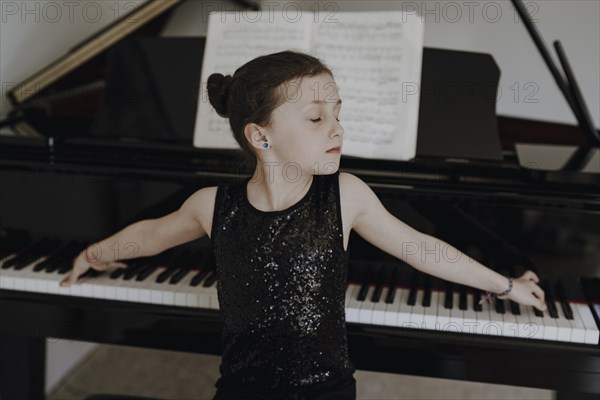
{"type": "Point", "coordinates": [429, 254]}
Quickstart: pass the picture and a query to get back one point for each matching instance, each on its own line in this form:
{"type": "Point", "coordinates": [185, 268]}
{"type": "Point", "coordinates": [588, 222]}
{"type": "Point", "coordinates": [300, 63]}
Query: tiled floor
{"type": "Point", "coordinates": [183, 376]}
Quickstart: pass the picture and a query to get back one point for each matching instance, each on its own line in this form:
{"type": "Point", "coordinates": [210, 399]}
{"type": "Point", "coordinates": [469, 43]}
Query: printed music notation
{"type": "Point", "coordinates": [372, 55]}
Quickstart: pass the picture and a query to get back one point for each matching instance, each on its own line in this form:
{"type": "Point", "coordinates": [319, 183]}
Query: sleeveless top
{"type": "Point", "coordinates": [281, 283]}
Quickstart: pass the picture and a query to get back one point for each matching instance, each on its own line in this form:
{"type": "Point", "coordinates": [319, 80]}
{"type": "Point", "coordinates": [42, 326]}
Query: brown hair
{"type": "Point", "coordinates": [253, 92]}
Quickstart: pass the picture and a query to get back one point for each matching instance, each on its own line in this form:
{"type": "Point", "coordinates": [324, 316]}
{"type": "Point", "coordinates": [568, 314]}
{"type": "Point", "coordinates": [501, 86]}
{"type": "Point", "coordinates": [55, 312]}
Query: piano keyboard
{"type": "Point", "coordinates": [169, 279]}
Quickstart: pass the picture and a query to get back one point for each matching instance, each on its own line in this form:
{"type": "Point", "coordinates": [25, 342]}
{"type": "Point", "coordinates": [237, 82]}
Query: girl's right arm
{"type": "Point", "coordinates": [147, 237]}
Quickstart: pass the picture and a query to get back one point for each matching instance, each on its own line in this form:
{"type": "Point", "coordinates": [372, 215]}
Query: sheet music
{"type": "Point", "coordinates": [374, 56]}
{"type": "Point", "coordinates": [232, 40]}
{"type": "Point", "coordinates": [376, 60]}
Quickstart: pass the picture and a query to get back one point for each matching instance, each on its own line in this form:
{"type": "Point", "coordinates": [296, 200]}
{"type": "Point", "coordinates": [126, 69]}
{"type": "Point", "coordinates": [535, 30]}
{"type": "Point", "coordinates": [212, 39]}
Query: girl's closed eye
{"type": "Point", "coordinates": [318, 119]}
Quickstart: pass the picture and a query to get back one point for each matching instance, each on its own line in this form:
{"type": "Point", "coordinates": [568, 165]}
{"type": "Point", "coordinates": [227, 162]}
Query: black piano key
{"type": "Point", "coordinates": [163, 276]}
{"type": "Point", "coordinates": [64, 264]}
{"type": "Point", "coordinates": [549, 294]}
{"type": "Point", "coordinates": [26, 256]}
{"type": "Point", "coordinates": [562, 297]}
{"type": "Point", "coordinates": [389, 298]}
{"type": "Point", "coordinates": [59, 251]}
{"type": "Point", "coordinates": [146, 272]}
{"type": "Point", "coordinates": [448, 295]}
{"type": "Point", "coordinates": [414, 286]}
{"type": "Point", "coordinates": [552, 309]}
{"type": "Point", "coordinates": [44, 250]}
{"type": "Point", "coordinates": [364, 288]}
{"type": "Point", "coordinates": [166, 260]}
{"type": "Point", "coordinates": [210, 279]}
{"type": "Point", "coordinates": [538, 313]}
{"type": "Point", "coordinates": [514, 308]}
{"type": "Point", "coordinates": [12, 245]}
{"type": "Point", "coordinates": [462, 297]}
{"type": "Point", "coordinates": [476, 300]}
{"type": "Point", "coordinates": [427, 293]}
{"type": "Point", "coordinates": [380, 272]}
{"type": "Point", "coordinates": [179, 275]}
{"type": "Point", "coordinates": [20, 252]}
{"type": "Point", "coordinates": [183, 264]}
{"type": "Point", "coordinates": [499, 305]}
{"type": "Point", "coordinates": [163, 259]}
{"type": "Point", "coordinates": [134, 267]}
{"type": "Point", "coordinates": [91, 273]}
{"type": "Point", "coordinates": [118, 273]}
{"type": "Point", "coordinates": [199, 277]}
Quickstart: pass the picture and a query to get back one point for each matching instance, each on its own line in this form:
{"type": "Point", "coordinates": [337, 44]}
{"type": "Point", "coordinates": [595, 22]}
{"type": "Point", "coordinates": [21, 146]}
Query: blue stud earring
{"type": "Point", "coordinates": [266, 145]}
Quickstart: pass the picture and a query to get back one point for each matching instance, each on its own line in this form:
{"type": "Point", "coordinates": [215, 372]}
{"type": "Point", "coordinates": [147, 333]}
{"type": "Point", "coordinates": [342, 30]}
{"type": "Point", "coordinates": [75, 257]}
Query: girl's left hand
{"type": "Point", "coordinates": [526, 291]}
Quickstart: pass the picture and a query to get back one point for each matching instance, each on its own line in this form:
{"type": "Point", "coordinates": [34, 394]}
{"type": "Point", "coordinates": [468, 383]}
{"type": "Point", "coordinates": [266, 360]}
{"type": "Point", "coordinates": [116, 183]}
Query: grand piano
{"type": "Point", "coordinates": [109, 142]}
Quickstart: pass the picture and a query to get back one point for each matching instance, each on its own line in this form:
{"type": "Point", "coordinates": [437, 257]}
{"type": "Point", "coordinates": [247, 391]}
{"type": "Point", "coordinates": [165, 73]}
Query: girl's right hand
{"type": "Point", "coordinates": [80, 267]}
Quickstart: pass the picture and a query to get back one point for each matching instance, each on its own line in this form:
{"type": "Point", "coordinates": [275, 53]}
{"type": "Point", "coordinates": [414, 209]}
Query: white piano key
{"type": "Point", "coordinates": [511, 322]}
{"type": "Point", "coordinates": [25, 278]}
{"type": "Point", "coordinates": [391, 309]}
{"type": "Point", "coordinates": [403, 316]}
{"type": "Point", "coordinates": [366, 308]}
{"type": "Point", "coordinates": [353, 304]}
{"type": "Point", "coordinates": [524, 330]}
{"type": "Point", "coordinates": [349, 289]}
{"type": "Point", "coordinates": [469, 324]}
{"type": "Point", "coordinates": [577, 327]}
{"type": "Point", "coordinates": [495, 324]}
{"type": "Point", "coordinates": [205, 295]}
{"type": "Point", "coordinates": [179, 291]}
{"type": "Point", "coordinates": [53, 280]}
{"type": "Point", "coordinates": [430, 313]}
{"type": "Point", "coordinates": [456, 316]}
{"type": "Point", "coordinates": [537, 324]}
{"type": "Point", "coordinates": [418, 311]}
{"type": "Point", "coordinates": [120, 288]}
{"type": "Point", "coordinates": [133, 293]}
{"type": "Point", "coordinates": [550, 326]}
{"type": "Point", "coordinates": [378, 316]}
{"type": "Point", "coordinates": [564, 325]}
{"type": "Point", "coordinates": [157, 290]}
{"type": "Point", "coordinates": [443, 314]}
{"type": "Point", "coordinates": [592, 334]}
{"type": "Point", "coordinates": [214, 296]}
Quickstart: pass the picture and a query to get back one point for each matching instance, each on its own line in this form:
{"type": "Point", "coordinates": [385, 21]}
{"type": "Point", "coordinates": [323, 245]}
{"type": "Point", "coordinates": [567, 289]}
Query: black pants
{"type": "Point", "coordinates": [343, 389]}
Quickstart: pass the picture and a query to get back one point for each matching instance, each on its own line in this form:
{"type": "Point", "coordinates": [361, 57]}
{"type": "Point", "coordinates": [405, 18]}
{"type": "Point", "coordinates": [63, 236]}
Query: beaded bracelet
{"type": "Point", "coordinates": [488, 296]}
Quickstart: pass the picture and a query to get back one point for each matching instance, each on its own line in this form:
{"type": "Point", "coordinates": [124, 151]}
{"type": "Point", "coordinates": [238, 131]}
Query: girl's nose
{"type": "Point", "coordinates": [338, 129]}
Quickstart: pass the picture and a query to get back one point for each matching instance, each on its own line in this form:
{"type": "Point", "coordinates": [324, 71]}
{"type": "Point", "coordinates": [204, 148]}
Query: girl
{"type": "Point", "coordinates": [280, 237]}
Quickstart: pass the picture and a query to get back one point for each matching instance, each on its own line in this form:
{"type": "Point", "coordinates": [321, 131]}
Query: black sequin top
{"type": "Point", "coordinates": [281, 286]}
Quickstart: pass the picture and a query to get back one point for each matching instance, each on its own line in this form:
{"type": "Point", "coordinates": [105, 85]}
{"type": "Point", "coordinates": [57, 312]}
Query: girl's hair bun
{"type": "Point", "coordinates": [218, 87]}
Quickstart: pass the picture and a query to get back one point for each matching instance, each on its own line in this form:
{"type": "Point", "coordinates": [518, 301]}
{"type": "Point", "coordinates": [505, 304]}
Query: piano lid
{"type": "Point", "coordinates": [124, 81]}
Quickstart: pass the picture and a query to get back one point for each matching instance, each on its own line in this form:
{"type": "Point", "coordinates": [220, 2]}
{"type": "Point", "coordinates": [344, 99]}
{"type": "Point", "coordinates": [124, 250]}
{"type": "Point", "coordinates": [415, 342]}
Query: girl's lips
{"type": "Point", "coordinates": [334, 150]}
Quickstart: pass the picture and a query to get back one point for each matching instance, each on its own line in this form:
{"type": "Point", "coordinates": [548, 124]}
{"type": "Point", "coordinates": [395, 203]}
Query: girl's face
{"type": "Point", "coordinates": [306, 125]}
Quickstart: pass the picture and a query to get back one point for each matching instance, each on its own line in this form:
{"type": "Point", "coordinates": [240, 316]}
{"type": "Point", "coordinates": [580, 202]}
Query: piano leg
{"type": "Point", "coordinates": [22, 367]}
